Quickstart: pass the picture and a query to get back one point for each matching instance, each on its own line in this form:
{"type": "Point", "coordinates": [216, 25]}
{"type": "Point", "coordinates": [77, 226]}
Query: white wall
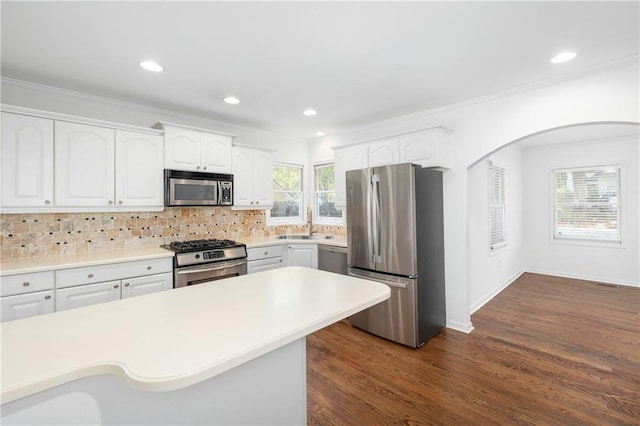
{"type": "Point", "coordinates": [482, 126]}
{"type": "Point", "coordinates": [489, 272]}
{"type": "Point", "coordinates": [611, 264]}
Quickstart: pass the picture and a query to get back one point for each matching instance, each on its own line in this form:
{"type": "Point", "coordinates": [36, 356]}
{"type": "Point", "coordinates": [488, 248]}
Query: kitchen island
{"type": "Point", "coordinates": [224, 352]}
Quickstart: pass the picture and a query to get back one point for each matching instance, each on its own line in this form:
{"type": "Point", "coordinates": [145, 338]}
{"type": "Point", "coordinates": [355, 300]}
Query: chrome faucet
{"type": "Point", "coordinates": [310, 221]}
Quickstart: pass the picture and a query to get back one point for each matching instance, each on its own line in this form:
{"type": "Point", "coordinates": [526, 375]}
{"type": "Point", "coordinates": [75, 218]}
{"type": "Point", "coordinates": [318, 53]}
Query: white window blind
{"type": "Point", "coordinates": [497, 207]}
{"type": "Point", "coordinates": [587, 203]}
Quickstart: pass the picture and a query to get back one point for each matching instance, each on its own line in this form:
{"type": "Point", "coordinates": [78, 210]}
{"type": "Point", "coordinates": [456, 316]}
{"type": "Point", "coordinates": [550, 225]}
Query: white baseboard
{"type": "Point", "coordinates": [460, 326]}
{"type": "Point", "coordinates": [605, 280]}
{"type": "Point", "coordinates": [494, 293]}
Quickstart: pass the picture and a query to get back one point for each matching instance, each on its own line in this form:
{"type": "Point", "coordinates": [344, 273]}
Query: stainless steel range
{"type": "Point", "coordinates": [200, 261]}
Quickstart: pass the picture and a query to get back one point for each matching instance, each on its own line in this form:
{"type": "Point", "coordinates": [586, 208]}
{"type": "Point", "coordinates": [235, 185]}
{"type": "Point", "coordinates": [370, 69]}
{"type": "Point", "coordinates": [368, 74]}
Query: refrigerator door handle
{"type": "Point", "coordinates": [369, 225]}
{"type": "Point", "coordinates": [375, 183]}
{"type": "Point", "coordinates": [390, 283]}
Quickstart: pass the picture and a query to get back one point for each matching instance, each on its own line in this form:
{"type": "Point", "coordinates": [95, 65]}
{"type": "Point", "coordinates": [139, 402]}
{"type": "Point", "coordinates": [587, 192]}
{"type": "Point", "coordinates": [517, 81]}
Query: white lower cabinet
{"type": "Point", "coordinates": [264, 258]}
{"type": "Point", "coordinates": [303, 255]}
{"type": "Point", "coordinates": [26, 295]}
{"type": "Point", "coordinates": [146, 285]}
{"type": "Point", "coordinates": [263, 265]}
{"type": "Point", "coordinates": [85, 295]}
{"type": "Point", "coordinates": [26, 305]}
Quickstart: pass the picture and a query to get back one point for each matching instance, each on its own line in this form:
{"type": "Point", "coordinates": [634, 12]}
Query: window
{"type": "Point", "coordinates": [287, 194]}
{"type": "Point", "coordinates": [497, 207]}
{"type": "Point", "coordinates": [324, 206]}
{"type": "Point", "coordinates": [586, 204]}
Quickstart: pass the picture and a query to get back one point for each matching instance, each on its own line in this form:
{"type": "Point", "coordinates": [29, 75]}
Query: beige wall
{"type": "Point", "coordinates": [49, 234]}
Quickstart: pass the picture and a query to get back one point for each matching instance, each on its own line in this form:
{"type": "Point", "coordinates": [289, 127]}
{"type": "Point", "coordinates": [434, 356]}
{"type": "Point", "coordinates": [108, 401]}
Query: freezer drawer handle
{"type": "Point", "coordinates": [389, 283]}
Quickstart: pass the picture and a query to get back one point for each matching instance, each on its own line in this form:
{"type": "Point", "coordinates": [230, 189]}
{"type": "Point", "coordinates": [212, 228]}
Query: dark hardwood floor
{"type": "Point", "coordinates": [545, 351]}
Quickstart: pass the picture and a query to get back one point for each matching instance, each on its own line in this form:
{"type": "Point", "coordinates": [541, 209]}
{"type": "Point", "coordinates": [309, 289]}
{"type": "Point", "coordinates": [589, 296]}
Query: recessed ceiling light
{"type": "Point", "coordinates": [320, 133]}
{"type": "Point", "coordinates": [563, 57]}
{"type": "Point", "coordinates": [309, 112]}
{"type": "Point", "coordinates": [232, 100]}
{"type": "Point", "coordinates": [151, 66]}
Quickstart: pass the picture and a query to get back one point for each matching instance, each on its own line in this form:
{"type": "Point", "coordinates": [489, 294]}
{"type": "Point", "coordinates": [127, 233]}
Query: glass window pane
{"type": "Point", "coordinates": [325, 205]}
{"type": "Point", "coordinates": [287, 178]}
{"type": "Point", "coordinates": [324, 178]}
{"type": "Point", "coordinates": [286, 204]}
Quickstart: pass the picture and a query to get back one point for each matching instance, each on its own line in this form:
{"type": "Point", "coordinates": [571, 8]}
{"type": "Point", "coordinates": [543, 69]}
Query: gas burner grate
{"type": "Point", "coordinates": [194, 245]}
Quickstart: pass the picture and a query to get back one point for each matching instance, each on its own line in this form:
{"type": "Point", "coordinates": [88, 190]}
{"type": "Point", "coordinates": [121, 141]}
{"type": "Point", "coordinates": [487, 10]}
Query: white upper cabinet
{"type": "Point", "coordinates": [27, 161]}
{"type": "Point", "coordinates": [252, 178]}
{"type": "Point", "coordinates": [215, 153]}
{"type": "Point", "coordinates": [84, 174]}
{"type": "Point", "coordinates": [139, 169]}
{"type": "Point", "coordinates": [384, 152]}
{"type": "Point", "coordinates": [429, 148]}
{"type": "Point", "coordinates": [196, 150]}
{"type": "Point", "coordinates": [352, 157]}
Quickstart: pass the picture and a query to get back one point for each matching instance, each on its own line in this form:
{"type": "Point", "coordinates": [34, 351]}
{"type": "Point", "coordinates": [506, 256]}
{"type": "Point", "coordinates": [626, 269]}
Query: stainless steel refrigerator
{"type": "Point", "coordinates": [395, 236]}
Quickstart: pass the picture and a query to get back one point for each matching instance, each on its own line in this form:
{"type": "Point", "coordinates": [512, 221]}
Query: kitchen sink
{"type": "Point", "coordinates": [304, 237]}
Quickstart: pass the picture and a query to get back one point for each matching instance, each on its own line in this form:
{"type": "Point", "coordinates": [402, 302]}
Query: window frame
{"type": "Point", "coordinates": [586, 240]}
{"type": "Point", "coordinates": [317, 219]}
{"type": "Point", "coordinates": [290, 220]}
{"type": "Point", "coordinates": [499, 245]}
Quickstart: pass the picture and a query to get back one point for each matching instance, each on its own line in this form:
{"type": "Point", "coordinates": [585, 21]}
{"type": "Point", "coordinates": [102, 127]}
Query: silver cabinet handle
{"type": "Point", "coordinates": [90, 275]}
{"type": "Point", "coordinates": [252, 202]}
{"type": "Point", "coordinates": [26, 284]}
{"type": "Point", "coordinates": [47, 297]}
{"type": "Point", "coordinates": [257, 202]}
{"type": "Point", "coordinates": [148, 268]}
{"type": "Point", "coordinates": [110, 201]}
{"type": "Point", "coordinates": [120, 202]}
{"type": "Point", "coordinates": [266, 253]}
{"type": "Point", "coordinates": [197, 167]}
{"type": "Point", "coordinates": [47, 201]}
{"type": "Point", "coordinates": [126, 285]}
{"type": "Point", "coordinates": [116, 286]}
{"type": "Point", "coordinates": [204, 168]}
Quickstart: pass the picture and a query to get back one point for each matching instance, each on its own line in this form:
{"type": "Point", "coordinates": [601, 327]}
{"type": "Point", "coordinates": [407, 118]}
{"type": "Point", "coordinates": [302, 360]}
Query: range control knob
{"type": "Point", "coordinates": [197, 256]}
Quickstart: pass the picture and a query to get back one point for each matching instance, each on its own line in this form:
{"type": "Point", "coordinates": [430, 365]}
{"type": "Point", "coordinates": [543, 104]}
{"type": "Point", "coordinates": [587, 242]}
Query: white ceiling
{"type": "Point", "coordinates": [353, 62]}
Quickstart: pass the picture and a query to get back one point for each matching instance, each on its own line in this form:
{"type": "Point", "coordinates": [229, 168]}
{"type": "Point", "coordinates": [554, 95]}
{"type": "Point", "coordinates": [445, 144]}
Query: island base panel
{"type": "Point", "coordinates": [270, 389]}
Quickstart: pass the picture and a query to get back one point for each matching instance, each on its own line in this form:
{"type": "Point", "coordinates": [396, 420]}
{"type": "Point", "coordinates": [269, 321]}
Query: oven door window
{"type": "Point", "coordinates": [192, 191]}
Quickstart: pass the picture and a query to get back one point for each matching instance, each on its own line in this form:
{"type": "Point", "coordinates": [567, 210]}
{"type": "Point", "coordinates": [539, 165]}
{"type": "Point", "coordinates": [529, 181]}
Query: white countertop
{"type": "Point", "coordinates": [51, 263]}
{"type": "Point", "coordinates": [273, 241]}
{"type": "Point", "coordinates": [174, 339]}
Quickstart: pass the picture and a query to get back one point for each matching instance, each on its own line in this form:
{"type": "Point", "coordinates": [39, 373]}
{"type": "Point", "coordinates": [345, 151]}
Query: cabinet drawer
{"type": "Point", "coordinates": [265, 252]}
{"type": "Point", "coordinates": [77, 297]}
{"type": "Point", "coordinates": [26, 283]}
{"type": "Point", "coordinates": [115, 271]}
{"type": "Point", "coordinates": [26, 305]}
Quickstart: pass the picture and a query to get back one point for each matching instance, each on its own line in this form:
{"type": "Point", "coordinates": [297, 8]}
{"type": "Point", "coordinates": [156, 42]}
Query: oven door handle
{"type": "Point", "coordinates": [201, 269]}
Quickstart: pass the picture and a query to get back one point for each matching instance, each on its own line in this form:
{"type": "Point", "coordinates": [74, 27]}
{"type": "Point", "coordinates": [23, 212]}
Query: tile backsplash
{"type": "Point", "coordinates": [47, 234]}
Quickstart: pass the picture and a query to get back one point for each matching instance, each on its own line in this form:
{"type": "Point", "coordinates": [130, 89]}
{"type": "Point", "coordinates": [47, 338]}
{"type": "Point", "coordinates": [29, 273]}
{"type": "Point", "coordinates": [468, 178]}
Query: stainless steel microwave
{"type": "Point", "coordinates": [197, 189]}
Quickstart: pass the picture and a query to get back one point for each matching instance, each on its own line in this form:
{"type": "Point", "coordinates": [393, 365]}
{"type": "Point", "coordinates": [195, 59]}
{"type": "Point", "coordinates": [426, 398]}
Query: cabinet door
{"type": "Point", "coordinates": [181, 149]}
{"type": "Point", "coordinates": [84, 172]}
{"type": "Point", "coordinates": [303, 255]}
{"type": "Point", "coordinates": [85, 295]}
{"type": "Point", "coordinates": [215, 153]}
{"type": "Point", "coordinates": [428, 148]}
{"type": "Point", "coordinates": [345, 159]}
{"type": "Point", "coordinates": [383, 153]}
{"type": "Point", "coordinates": [144, 285]}
{"type": "Point", "coordinates": [263, 265]}
{"type": "Point", "coordinates": [139, 169]}
{"type": "Point", "coordinates": [26, 305]}
{"type": "Point", "coordinates": [27, 161]}
{"type": "Point", "coordinates": [242, 177]}
{"type": "Point", "coordinates": [263, 179]}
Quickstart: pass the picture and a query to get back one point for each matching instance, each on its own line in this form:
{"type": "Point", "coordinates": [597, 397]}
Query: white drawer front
{"type": "Point", "coordinates": [265, 252]}
{"type": "Point", "coordinates": [26, 305]}
{"type": "Point", "coordinates": [115, 271]}
{"type": "Point", "coordinates": [85, 295]}
{"type": "Point", "coordinates": [26, 283]}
